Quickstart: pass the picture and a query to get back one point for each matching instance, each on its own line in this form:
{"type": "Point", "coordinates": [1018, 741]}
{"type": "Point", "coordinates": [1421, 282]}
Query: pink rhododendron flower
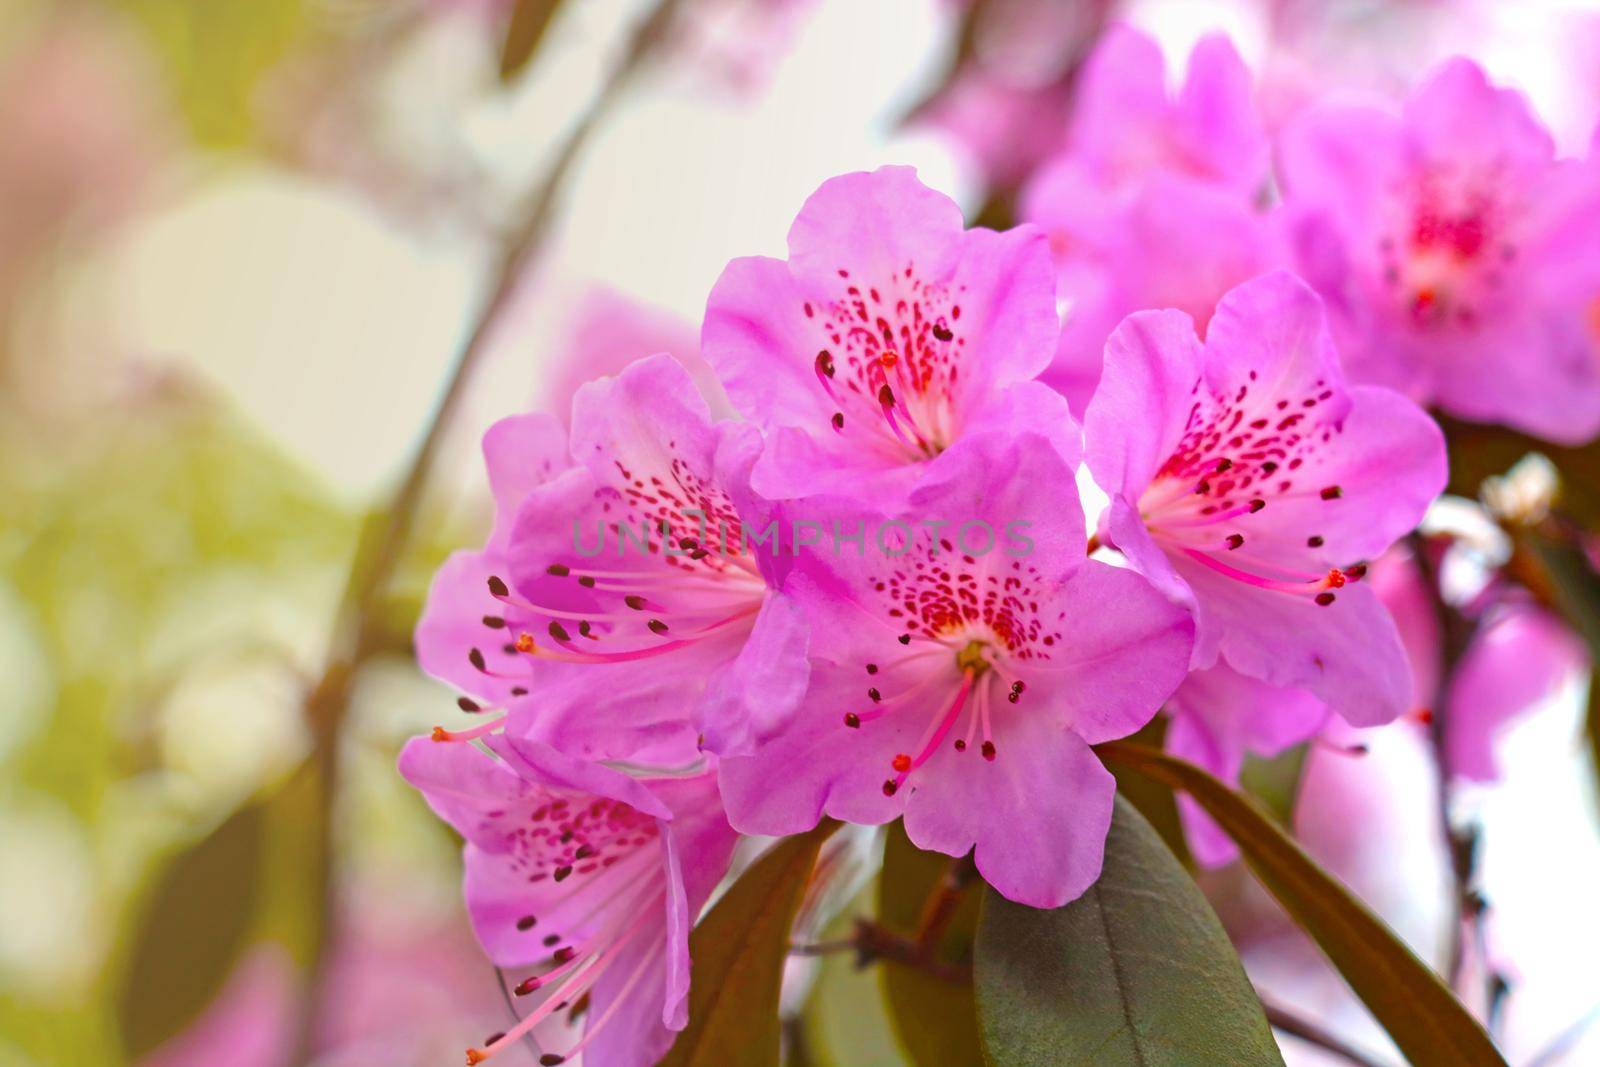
{"type": "Point", "coordinates": [959, 677]}
{"type": "Point", "coordinates": [1218, 717]}
{"type": "Point", "coordinates": [609, 330]}
{"type": "Point", "coordinates": [1007, 103]}
{"type": "Point", "coordinates": [1152, 204]}
{"type": "Point", "coordinates": [888, 335]}
{"type": "Point", "coordinates": [589, 877]}
{"type": "Point", "coordinates": [1459, 258]}
{"type": "Point", "coordinates": [1177, 243]}
{"type": "Point", "coordinates": [1127, 129]}
{"type": "Point", "coordinates": [630, 613]}
{"type": "Point", "coordinates": [1520, 657]}
{"type": "Point", "coordinates": [1248, 480]}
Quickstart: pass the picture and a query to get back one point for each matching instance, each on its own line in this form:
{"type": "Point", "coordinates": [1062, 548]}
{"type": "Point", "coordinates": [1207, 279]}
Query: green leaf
{"type": "Point", "coordinates": [192, 932]}
{"type": "Point", "coordinates": [738, 952]}
{"type": "Point", "coordinates": [1136, 971]}
{"type": "Point", "coordinates": [1275, 781]}
{"type": "Point", "coordinates": [530, 19]}
{"type": "Point", "coordinates": [1423, 1017]}
{"type": "Point", "coordinates": [935, 1020]}
{"type": "Point", "coordinates": [1154, 800]}
{"type": "Point", "coordinates": [216, 56]}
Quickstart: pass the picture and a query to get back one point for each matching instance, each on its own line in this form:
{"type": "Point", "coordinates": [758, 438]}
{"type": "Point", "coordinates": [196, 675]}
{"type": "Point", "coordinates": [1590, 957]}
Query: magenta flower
{"type": "Point", "coordinates": [888, 334]}
{"type": "Point", "coordinates": [587, 877]}
{"type": "Point", "coordinates": [1137, 203]}
{"type": "Point", "coordinates": [1519, 657]}
{"type": "Point", "coordinates": [1127, 130]}
{"type": "Point", "coordinates": [521, 453]}
{"type": "Point", "coordinates": [631, 612]}
{"type": "Point", "coordinates": [1248, 480]}
{"type": "Point", "coordinates": [1218, 717]}
{"type": "Point", "coordinates": [1164, 251]}
{"type": "Point", "coordinates": [1460, 260]}
{"type": "Point", "coordinates": [963, 663]}
{"type": "Point", "coordinates": [609, 330]}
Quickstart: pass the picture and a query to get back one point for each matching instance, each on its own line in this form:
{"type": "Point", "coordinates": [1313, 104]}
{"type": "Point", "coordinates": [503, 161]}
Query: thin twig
{"type": "Point", "coordinates": [1312, 1034]}
{"type": "Point", "coordinates": [359, 629]}
{"type": "Point", "coordinates": [1455, 632]}
{"type": "Point", "coordinates": [872, 942]}
{"type": "Point", "coordinates": [942, 902]}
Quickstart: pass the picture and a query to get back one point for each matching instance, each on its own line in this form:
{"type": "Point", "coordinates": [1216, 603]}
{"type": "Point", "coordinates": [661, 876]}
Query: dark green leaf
{"type": "Point", "coordinates": [738, 952]}
{"type": "Point", "coordinates": [530, 19]}
{"type": "Point", "coordinates": [1136, 971]}
{"type": "Point", "coordinates": [1423, 1017]}
{"type": "Point", "coordinates": [935, 1020]}
{"type": "Point", "coordinates": [192, 932]}
{"type": "Point", "coordinates": [1154, 800]}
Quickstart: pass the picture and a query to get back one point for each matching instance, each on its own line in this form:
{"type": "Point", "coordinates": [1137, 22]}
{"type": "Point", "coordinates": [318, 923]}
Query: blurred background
{"type": "Point", "coordinates": [243, 247]}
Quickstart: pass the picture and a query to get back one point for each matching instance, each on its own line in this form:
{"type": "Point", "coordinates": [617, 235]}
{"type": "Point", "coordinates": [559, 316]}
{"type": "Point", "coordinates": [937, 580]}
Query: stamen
{"type": "Point", "coordinates": [441, 734]}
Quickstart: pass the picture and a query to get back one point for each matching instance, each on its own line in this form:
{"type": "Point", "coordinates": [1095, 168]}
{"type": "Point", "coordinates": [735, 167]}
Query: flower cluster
{"type": "Point", "coordinates": [667, 650]}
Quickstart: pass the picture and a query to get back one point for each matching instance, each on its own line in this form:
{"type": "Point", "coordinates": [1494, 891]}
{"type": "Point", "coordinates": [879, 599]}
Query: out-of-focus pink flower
{"type": "Point", "coordinates": [1459, 258]}
{"type": "Point", "coordinates": [1008, 102]}
{"type": "Point", "coordinates": [588, 878]}
{"type": "Point", "coordinates": [1152, 203]}
{"type": "Point", "coordinates": [734, 45]}
{"type": "Point", "coordinates": [888, 335]}
{"type": "Point", "coordinates": [627, 613]}
{"type": "Point", "coordinates": [959, 677]}
{"type": "Point", "coordinates": [1249, 481]}
{"type": "Point", "coordinates": [1218, 717]}
{"type": "Point", "coordinates": [1520, 656]}
{"type": "Point", "coordinates": [251, 1023]}
{"type": "Point", "coordinates": [608, 331]}
{"type": "Point", "coordinates": [83, 126]}
{"type": "Point", "coordinates": [1127, 127]}
{"type": "Point", "coordinates": [1176, 243]}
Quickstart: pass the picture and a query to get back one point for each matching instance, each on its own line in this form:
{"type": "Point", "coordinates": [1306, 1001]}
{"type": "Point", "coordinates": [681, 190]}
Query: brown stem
{"type": "Point", "coordinates": [1312, 1034]}
{"type": "Point", "coordinates": [1460, 844]}
{"type": "Point", "coordinates": [872, 942]}
{"type": "Point", "coordinates": [942, 902]}
{"type": "Point", "coordinates": [359, 630]}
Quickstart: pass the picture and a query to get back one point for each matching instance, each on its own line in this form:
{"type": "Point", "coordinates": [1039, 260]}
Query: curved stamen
{"type": "Point", "coordinates": [937, 730]}
{"type": "Point", "coordinates": [481, 730]}
{"type": "Point", "coordinates": [1334, 579]}
{"type": "Point", "coordinates": [571, 989]}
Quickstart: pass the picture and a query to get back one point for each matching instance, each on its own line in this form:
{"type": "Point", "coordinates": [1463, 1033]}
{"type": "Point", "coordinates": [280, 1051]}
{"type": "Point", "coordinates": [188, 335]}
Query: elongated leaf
{"type": "Point", "coordinates": [192, 932]}
{"type": "Point", "coordinates": [1423, 1017]}
{"type": "Point", "coordinates": [935, 1020]}
{"type": "Point", "coordinates": [1154, 800]}
{"type": "Point", "coordinates": [1136, 971]}
{"type": "Point", "coordinates": [530, 19]}
{"type": "Point", "coordinates": [738, 952]}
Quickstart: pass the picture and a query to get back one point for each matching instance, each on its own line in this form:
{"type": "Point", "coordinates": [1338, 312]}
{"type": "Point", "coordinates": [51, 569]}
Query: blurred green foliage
{"type": "Point", "coordinates": [216, 53]}
{"type": "Point", "coordinates": [104, 540]}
